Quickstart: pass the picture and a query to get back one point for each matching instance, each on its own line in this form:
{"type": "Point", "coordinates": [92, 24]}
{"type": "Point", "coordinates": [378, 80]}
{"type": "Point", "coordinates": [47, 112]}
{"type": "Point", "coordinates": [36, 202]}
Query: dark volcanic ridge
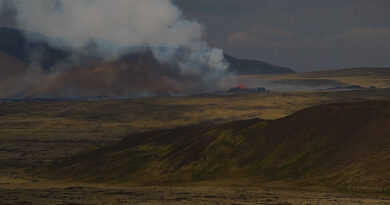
{"type": "Point", "coordinates": [351, 87]}
{"type": "Point", "coordinates": [32, 68]}
{"type": "Point", "coordinates": [14, 43]}
{"type": "Point", "coordinates": [254, 67]}
{"type": "Point", "coordinates": [341, 146]}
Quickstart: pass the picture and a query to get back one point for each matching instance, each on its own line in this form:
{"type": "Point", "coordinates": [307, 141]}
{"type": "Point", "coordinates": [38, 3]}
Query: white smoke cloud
{"type": "Point", "coordinates": [116, 26]}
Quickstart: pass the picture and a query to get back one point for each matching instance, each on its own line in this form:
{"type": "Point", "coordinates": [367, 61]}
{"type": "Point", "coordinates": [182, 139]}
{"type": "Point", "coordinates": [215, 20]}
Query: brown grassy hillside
{"type": "Point", "coordinates": [362, 71]}
{"type": "Point", "coordinates": [342, 146]}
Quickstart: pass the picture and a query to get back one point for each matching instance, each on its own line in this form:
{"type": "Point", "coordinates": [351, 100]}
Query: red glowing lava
{"type": "Point", "coordinates": [242, 86]}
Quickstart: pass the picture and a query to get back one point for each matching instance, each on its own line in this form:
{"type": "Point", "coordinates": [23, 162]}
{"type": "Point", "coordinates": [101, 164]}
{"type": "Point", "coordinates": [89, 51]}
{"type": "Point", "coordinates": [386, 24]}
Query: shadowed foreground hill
{"type": "Point", "coordinates": [343, 146]}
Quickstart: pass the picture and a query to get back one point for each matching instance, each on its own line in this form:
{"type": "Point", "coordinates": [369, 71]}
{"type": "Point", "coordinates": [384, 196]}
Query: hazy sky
{"type": "Point", "coordinates": [301, 34]}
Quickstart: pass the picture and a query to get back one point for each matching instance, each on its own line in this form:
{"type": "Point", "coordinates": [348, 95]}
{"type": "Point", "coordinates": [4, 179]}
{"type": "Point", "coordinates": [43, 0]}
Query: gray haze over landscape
{"type": "Point", "coordinates": [301, 34]}
{"type": "Point", "coordinates": [106, 32]}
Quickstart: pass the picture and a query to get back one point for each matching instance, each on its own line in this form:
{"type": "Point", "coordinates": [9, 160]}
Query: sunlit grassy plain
{"type": "Point", "coordinates": [110, 119]}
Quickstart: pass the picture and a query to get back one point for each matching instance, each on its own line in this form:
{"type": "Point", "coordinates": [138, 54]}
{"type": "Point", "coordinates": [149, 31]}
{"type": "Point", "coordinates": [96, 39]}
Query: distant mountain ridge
{"type": "Point", "coordinates": [135, 73]}
{"type": "Point", "coordinates": [13, 42]}
{"type": "Point", "coordinates": [254, 67]}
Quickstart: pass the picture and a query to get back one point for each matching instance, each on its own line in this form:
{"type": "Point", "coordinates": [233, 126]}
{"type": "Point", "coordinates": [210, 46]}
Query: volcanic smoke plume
{"type": "Point", "coordinates": [102, 37]}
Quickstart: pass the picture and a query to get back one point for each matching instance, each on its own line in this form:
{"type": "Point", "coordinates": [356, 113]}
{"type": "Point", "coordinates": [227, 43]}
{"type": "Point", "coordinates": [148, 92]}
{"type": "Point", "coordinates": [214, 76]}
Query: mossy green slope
{"type": "Point", "coordinates": [337, 145]}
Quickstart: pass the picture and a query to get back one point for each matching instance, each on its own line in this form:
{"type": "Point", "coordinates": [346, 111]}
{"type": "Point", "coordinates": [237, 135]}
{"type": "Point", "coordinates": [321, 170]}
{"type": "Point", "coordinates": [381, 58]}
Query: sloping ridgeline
{"type": "Point", "coordinates": [343, 146]}
{"type": "Point", "coordinates": [14, 43]}
{"type": "Point", "coordinates": [254, 67]}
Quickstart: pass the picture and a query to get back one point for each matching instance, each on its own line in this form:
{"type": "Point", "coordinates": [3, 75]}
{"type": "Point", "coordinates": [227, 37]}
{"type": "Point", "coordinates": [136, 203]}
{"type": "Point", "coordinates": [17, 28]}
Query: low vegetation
{"type": "Point", "coordinates": [342, 146]}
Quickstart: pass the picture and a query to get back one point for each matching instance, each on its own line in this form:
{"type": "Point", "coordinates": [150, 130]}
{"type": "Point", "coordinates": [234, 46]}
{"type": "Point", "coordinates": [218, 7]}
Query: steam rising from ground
{"type": "Point", "coordinates": [116, 27]}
